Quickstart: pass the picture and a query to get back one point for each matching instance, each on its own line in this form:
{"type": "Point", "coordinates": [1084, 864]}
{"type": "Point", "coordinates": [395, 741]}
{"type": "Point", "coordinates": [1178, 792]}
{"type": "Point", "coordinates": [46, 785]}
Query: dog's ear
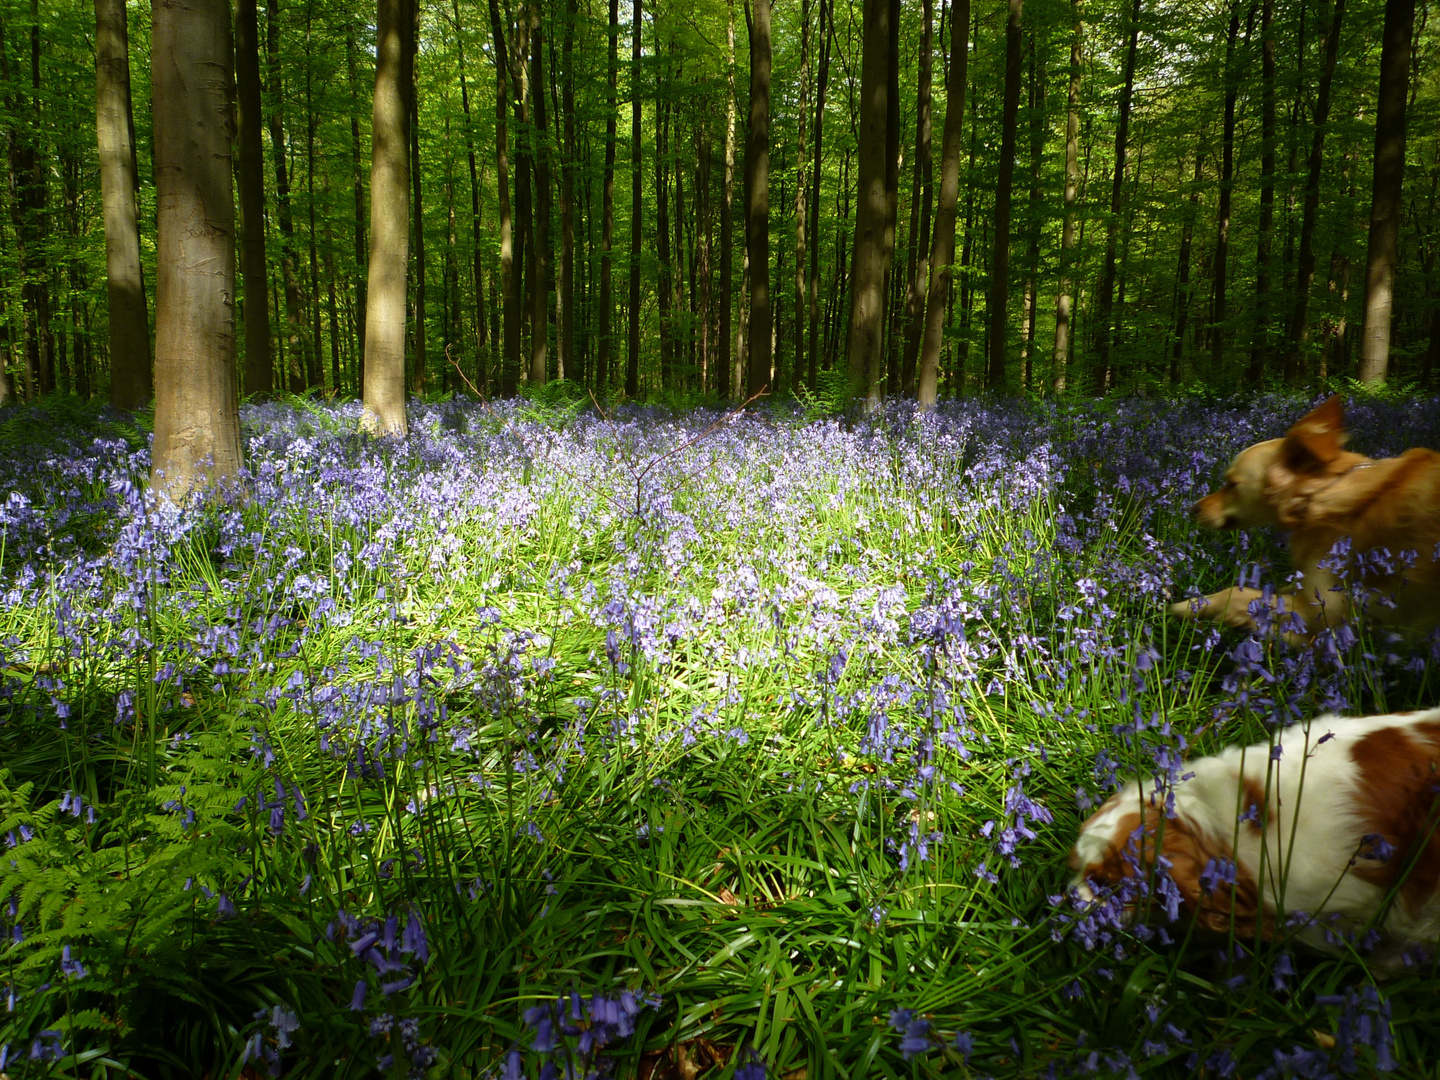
{"type": "Point", "coordinates": [1190, 850]}
{"type": "Point", "coordinates": [1316, 438]}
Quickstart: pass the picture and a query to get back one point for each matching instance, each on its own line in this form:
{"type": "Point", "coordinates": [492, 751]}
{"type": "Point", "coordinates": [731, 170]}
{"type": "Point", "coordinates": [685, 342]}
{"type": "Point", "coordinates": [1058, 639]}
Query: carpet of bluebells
{"type": "Point", "coordinates": [547, 743]}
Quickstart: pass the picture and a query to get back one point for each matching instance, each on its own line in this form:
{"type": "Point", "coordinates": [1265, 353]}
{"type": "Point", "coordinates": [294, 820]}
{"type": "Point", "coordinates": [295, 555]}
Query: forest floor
{"type": "Point", "coordinates": [663, 743]}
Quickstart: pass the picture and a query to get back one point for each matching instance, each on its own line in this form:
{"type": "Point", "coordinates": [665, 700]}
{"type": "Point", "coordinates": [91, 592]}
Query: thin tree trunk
{"type": "Point", "coordinates": [389, 220]}
{"type": "Point", "coordinates": [815, 174]}
{"type": "Point", "coordinates": [477, 265]}
{"type": "Point", "coordinates": [918, 273]}
{"type": "Point", "coordinates": [300, 352]}
{"type": "Point", "coordinates": [361, 245]}
{"type": "Point", "coordinates": [607, 206]}
{"type": "Point", "coordinates": [1227, 185]}
{"type": "Point", "coordinates": [1305, 263]}
{"type": "Point", "coordinates": [417, 186]}
{"type": "Point", "coordinates": [757, 199]}
{"type": "Point", "coordinates": [942, 244]}
{"type": "Point", "coordinates": [1064, 300]}
{"type": "Point", "coordinates": [662, 229]}
{"type": "Point", "coordinates": [632, 351]}
{"type": "Point", "coordinates": [998, 302]}
{"type": "Point", "coordinates": [802, 220]}
{"type": "Point", "coordinates": [197, 421]}
{"type": "Point", "coordinates": [1105, 303]}
{"type": "Point", "coordinates": [540, 285]}
{"type": "Point", "coordinates": [1382, 254]}
{"type": "Point", "coordinates": [509, 278]}
{"type": "Point", "coordinates": [1260, 346]}
{"type": "Point", "coordinates": [1182, 273]}
{"type": "Point", "coordinates": [311, 120]}
{"type": "Point", "coordinates": [1032, 251]}
{"type": "Point", "coordinates": [259, 367]}
{"type": "Point", "coordinates": [727, 211]}
{"type": "Point", "coordinates": [130, 383]}
{"type": "Point", "coordinates": [569, 366]}
{"type": "Point", "coordinates": [872, 210]}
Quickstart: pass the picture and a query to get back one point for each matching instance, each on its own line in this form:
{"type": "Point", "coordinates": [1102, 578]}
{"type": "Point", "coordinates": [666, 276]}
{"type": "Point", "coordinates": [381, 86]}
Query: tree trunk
{"type": "Point", "coordinates": [662, 230]}
{"type": "Point", "coordinates": [1227, 185]}
{"type": "Point", "coordinates": [815, 173]}
{"type": "Point", "coordinates": [1032, 248]}
{"type": "Point", "coordinates": [727, 211]}
{"type": "Point", "coordinates": [509, 278]}
{"type": "Point", "coordinates": [361, 244]}
{"type": "Point", "coordinates": [872, 210]}
{"type": "Point", "coordinates": [130, 383]}
{"type": "Point", "coordinates": [311, 121]}
{"type": "Point", "coordinates": [802, 219]}
{"type": "Point", "coordinates": [417, 186]}
{"type": "Point", "coordinates": [998, 301]}
{"type": "Point", "coordinates": [757, 199]}
{"type": "Point", "coordinates": [1105, 302]}
{"type": "Point", "coordinates": [1260, 346]}
{"type": "Point", "coordinates": [607, 207]}
{"type": "Point", "coordinates": [389, 220]}
{"type": "Point", "coordinates": [477, 265]}
{"type": "Point", "coordinates": [942, 244]}
{"type": "Point", "coordinates": [1182, 273]}
{"type": "Point", "coordinates": [1382, 254]}
{"type": "Point", "coordinates": [1305, 262]}
{"type": "Point", "coordinates": [568, 364]}
{"type": "Point", "coordinates": [632, 350]}
{"type": "Point", "coordinates": [917, 275]}
{"type": "Point", "coordinates": [197, 421]}
{"type": "Point", "coordinates": [1064, 300]}
{"type": "Point", "coordinates": [540, 285]}
{"type": "Point", "coordinates": [299, 349]}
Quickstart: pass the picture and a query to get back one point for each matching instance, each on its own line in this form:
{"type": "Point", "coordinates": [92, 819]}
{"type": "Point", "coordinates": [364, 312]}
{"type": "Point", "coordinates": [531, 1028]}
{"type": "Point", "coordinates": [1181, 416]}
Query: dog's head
{"type": "Point", "coordinates": [1267, 483]}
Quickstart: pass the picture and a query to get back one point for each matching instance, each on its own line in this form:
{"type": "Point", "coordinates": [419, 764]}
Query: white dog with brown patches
{"type": "Point", "coordinates": [1342, 827]}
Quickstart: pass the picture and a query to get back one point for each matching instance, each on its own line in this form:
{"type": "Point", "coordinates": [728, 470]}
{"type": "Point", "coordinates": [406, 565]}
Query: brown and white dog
{"type": "Point", "coordinates": [1387, 509]}
{"type": "Point", "coordinates": [1342, 827]}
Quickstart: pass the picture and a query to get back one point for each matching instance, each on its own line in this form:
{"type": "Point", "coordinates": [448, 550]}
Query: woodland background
{"type": "Point", "coordinates": [1186, 265]}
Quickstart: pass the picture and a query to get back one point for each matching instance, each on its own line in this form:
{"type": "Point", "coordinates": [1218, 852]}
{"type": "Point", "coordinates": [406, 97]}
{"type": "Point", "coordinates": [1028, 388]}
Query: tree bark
{"type": "Point", "coordinates": [757, 200]}
{"type": "Point", "coordinates": [815, 173]}
{"type": "Point", "coordinates": [130, 382]}
{"type": "Point", "coordinates": [568, 363]}
{"type": "Point", "coordinates": [1227, 185]}
{"type": "Point", "coordinates": [389, 220]}
{"type": "Point", "coordinates": [1036, 95]}
{"type": "Point", "coordinates": [727, 211]}
{"type": "Point", "coordinates": [872, 210]}
{"type": "Point", "coordinates": [298, 346]}
{"type": "Point", "coordinates": [607, 206]}
{"type": "Point", "coordinates": [1182, 273]}
{"type": "Point", "coordinates": [917, 271]}
{"type": "Point", "coordinates": [1305, 261]}
{"type": "Point", "coordinates": [1105, 303]}
{"type": "Point", "coordinates": [197, 421]}
{"type": "Point", "coordinates": [509, 278]}
{"type": "Point", "coordinates": [998, 301]}
{"type": "Point", "coordinates": [477, 264]}
{"type": "Point", "coordinates": [632, 351]}
{"type": "Point", "coordinates": [1065, 300]}
{"type": "Point", "coordinates": [540, 283]}
{"type": "Point", "coordinates": [1260, 345]}
{"type": "Point", "coordinates": [662, 229]}
{"type": "Point", "coordinates": [1382, 254]}
{"type": "Point", "coordinates": [417, 187]}
{"type": "Point", "coordinates": [361, 244]}
{"type": "Point", "coordinates": [802, 219]}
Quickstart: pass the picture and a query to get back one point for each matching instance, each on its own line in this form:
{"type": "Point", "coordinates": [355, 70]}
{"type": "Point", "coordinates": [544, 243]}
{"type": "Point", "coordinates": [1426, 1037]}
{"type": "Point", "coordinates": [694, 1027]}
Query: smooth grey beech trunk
{"type": "Point", "coordinates": [1382, 253]}
{"type": "Point", "coordinates": [389, 223]}
{"type": "Point", "coordinates": [757, 201]}
{"type": "Point", "coordinates": [130, 382]}
{"type": "Point", "coordinates": [942, 245]}
{"type": "Point", "coordinates": [197, 421]}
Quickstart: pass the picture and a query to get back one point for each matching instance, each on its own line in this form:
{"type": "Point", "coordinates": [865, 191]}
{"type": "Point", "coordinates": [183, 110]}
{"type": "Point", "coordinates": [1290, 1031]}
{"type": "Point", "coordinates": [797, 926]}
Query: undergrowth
{"type": "Point", "coordinates": [668, 743]}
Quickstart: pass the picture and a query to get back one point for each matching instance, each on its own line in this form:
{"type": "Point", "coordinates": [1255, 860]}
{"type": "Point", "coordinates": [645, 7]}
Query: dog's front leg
{"type": "Point", "coordinates": [1230, 607]}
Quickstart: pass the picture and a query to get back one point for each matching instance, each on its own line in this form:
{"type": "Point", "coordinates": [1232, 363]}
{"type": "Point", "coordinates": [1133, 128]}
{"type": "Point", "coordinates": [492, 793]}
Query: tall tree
{"type": "Point", "coordinates": [916, 275]}
{"type": "Point", "coordinates": [1219, 276]}
{"type": "Point", "coordinates": [389, 219]}
{"type": "Point", "coordinates": [1305, 265]}
{"type": "Point", "coordinates": [1036, 100]}
{"type": "Point", "coordinates": [358, 181]}
{"type": "Point", "coordinates": [727, 211]}
{"type": "Point", "coordinates": [1064, 299]}
{"type": "Point", "coordinates": [509, 272]}
{"type": "Point", "coordinates": [540, 280]}
{"type": "Point", "coordinates": [417, 187]}
{"type": "Point", "coordinates": [1260, 346]}
{"type": "Point", "coordinates": [942, 245]}
{"type": "Point", "coordinates": [197, 416]}
{"type": "Point", "coordinates": [632, 351]}
{"type": "Point", "coordinates": [568, 363]}
{"type": "Point", "coordinates": [477, 258]}
{"type": "Point", "coordinates": [822, 79]}
{"type": "Point", "coordinates": [607, 204]}
{"type": "Point", "coordinates": [254, 274]}
{"type": "Point", "coordinates": [1105, 303]}
{"type": "Point", "coordinates": [302, 359]}
{"type": "Point", "coordinates": [998, 302]}
{"type": "Point", "coordinates": [870, 254]}
{"type": "Point", "coordinates": [1182, 272]}
{"type": "Point", "coordinates": [801, 217]}
{"type": "Point", "coordinates": [1382, 253]}
{"type": "Point", "coordinates": [757, 199]}
{"type": "Point", "coordinates": [130, 383]}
